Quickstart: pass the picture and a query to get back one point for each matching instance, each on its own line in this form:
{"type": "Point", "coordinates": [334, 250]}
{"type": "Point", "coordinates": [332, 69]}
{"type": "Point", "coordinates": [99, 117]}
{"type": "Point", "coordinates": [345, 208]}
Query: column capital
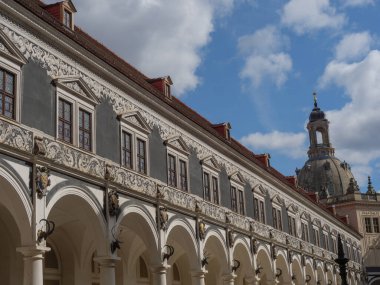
{"type": "Point", "coordinates": [199, 273]}
{"type": "Point", "coordinates": [36, 251]}
{"type": "Point", "coordinates": [160, 268]}
{"type": "Point", "coordinates": [107, 261]}
{"type": "Point", "coordinates": [229, 278]}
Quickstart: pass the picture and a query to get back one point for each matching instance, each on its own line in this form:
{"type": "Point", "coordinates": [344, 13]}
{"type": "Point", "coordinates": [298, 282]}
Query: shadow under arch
{"type": "Point", "coordinates": [264, 264]}
{"type": "Point", "coordinates": [216, 251]}
{"type": "Point", "coordinates": [181, 235]}
{"type": "Point", "coordinates": [241, 252]}
{"type": "Point", "coordinates": [137, 230]}
{"type": "Point", "coordinates": [80, 229]}
{"type": "Point", "coordinates": [297, 272]}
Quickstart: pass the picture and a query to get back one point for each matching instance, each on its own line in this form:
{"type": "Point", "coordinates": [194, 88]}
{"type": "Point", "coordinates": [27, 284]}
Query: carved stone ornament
{"type": "Point", "coordinates": [254, 245]}
{"type": "Point", "coordinates": [160, 191]}
{"type": "Point", "coordinates": [274, 252]}
{"type": "Point", "coordinates": [108, 175]}
{"type": "Point", "coordinates": [42, 181]}
{"type": "Point", "coordinates": [201, 229]}
{"type": "Point", "coordinates": [164, 217]}
{"type": "Point", "coordinates": [39, 147]}
{"type": "Point", "coordinates": [113, 203]}
{"type": "Point", "coordinates": [231, 238]}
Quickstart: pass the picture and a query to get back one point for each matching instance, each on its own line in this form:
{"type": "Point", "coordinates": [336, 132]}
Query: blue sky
{"type": "Point", "coordinates": [256, 63]}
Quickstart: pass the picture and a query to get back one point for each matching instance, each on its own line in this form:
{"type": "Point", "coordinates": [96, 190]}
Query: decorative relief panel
{"type": "Point", "coordinates": [16, 137]}
{"type": "Point", "coordinates": [213, 211]}
{"type": "Point", "coordinates": [4, 49]}
{"type": "Point", "coordinates": [179, 198]}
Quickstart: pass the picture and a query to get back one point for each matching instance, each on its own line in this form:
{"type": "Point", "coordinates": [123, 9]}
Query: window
{"type": "Point", "coordinates": [292, 225]}
{"type": "Point", "coordinates": [75, 113]}
{"type": "Point", "coordinates": [258, 205]}
{"type": "Point", "coordinates": [141, 156]}
{"type": "Point", "coordinates": [277, 218]}
{"type": "Point", "coordinates": [142, 269]}
{"type": "Point", "coordinates": [371, 225]}
{"type": "Point", "coordinates": [335, 245]}
{"type": "Point", "coordinates": [325, 240]}
{"type": "Point", "coordinates": [233, 199]}
{"type": "Point", "coordinates": [134, 142]}
{"type": "Point", "coordinates": [210, 180]}
{"type": "Point", "coordinates": [182, 175]}
{"type": "Point", "coordinates": [305, 231]}
{"type": "Point", "coordinates": [8, 93]}
{"type": "Point", "coordinates": [375, 225]}
{"type": "Point", "coordinates": [65, 121]}
{"type": "Point", "coordinates": [52, 270]}
{"type": "Point", "coordinates": [237, 200]}
{"type": "Point", "coordinates": [177, 163]}
{"type": "Point", "coordinates": [316, 237]}
{"type": "Point", "coordinates": [126, 150]}
{"type": "Point", "coordinates": [11, 61]}
{"type": "Point", "coordinates": [85, 133]}
{"type": "Point", "coordinates": [67, 18]}
{"type": "Point", "coordinates": [172, 169]}
{"type": "Point", "coordinates": [368, 226]}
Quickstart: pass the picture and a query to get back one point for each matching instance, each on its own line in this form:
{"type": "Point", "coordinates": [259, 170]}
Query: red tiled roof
{"type": "Point", "coordinates": [119, 64]}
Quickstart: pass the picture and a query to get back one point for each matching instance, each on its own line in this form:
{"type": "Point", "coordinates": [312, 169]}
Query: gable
{"type": "Point", "coordinates": [134, 119]}
{"type": "Point", "coordinates": [77, 86]}
{"type": "Point", "coordinates": [259, 189]}
{"type": "Point", "coordinates": [278, 200]}
{"type": "Point", "coordinates": [237, 177]}
{"type": "Point", "coordinates": [211, 162]}
{"type": "Point", "coordinates": [292, 208]}
{"type": "Point", "coordinates": [178, 144]}
{"type": "Point", "coordinates": [10, 51]}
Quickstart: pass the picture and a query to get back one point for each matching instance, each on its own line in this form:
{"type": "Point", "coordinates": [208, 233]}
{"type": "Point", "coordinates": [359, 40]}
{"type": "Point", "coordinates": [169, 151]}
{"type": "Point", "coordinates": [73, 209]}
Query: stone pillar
{"type": "Point", "coordinates": [33, 264]}
{"type": "Point", "coordinates": [107, 269]}
{"type": "Point", "coordinates": [159, 273]}
{"type": "Point", "coordinates": [229, 279]}
{"type": "Point", "coordinates": [198, 277]}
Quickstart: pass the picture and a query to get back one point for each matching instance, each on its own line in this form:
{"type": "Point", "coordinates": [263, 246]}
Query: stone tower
{"type": "Point", "coordinates": [323, 172]}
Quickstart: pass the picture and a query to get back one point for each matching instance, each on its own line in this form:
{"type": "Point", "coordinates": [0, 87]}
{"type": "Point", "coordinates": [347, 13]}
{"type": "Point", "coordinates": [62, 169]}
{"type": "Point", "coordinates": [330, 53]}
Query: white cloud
{"type": "Point", "coordinates": [311, 15]}
{"type": "Point", "coordinates": [158, 37]}
{"type": "Point", "coordinates": [288, 144]}
{"type": "Point", "coordinates": [355, 3]}
{"type": "Point", "coordinates": [353, 46]}
{"type": "Point", "coordinates": [354, 127]}
{"type": "Point", "coordinates": [263, 56]}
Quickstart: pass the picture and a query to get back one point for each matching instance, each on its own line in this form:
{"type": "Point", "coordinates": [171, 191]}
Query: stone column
{"type": "Point", "coordinates": [159, 273]}
{"type": "Point", "coordinates": [198, 277]}
{"type": "Point", "coordinates": [33, 264]}
{"type": "Point", "coordinates": [107, 269]}
{"type": "Point", "coordinates": [229, 279]}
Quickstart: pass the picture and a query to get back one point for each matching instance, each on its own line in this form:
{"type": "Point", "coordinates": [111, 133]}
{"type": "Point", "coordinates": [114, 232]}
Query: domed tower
{"type": "Point", "coordinates": [323, 172]}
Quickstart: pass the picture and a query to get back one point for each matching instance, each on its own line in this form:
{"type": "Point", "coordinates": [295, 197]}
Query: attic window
{"type": "Point", "coordinates": [67, 18]}
{"type": "Point", "coordinates": [167, 90]}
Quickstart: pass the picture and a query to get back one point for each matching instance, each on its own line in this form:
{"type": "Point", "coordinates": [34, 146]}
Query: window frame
{"type": "Point", "coordinates": [278, 223]}
{"type": "Point", "coordinates": [317, 237]}
{"type": "Point", "coordinates": [305, 234]}
{"type": "Point", "coordinates": [15, 70]}
{"type": "Point", "coordinates": [212, 174]}
{"type": "Point", "coordinates": [292, 224]}
{"type": "Point", "coordinates": [178, 156]}
{"type": "Point", "coordinates": [240, 197]}
{"type": "Point", "coordinates": [77, 104]}
{"type": "Point", "coordinates": [136, 134]}
{"type": "Point", "coordinates": [259, 213]}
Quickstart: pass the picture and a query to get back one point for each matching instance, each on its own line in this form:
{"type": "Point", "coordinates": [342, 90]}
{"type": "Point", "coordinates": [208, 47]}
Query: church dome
{"type": "Point", "coordinates": [323, 172]}
{"type": "Point", "coordinates": [316, 114]}
{"type": "Point", "coordinates": [327, 176]}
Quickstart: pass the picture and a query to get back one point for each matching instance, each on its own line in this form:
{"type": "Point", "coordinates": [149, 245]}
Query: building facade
{"type": "Point", "coordinates": [106, 178]}
{"type": "Point", "coordinates": [332, 180]}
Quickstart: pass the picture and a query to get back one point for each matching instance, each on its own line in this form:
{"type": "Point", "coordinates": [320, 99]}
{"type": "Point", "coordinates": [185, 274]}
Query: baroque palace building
{"type": "Point", "coordinates": [332, 180]}
{"type": "Point", "coordinates": [106, 178]}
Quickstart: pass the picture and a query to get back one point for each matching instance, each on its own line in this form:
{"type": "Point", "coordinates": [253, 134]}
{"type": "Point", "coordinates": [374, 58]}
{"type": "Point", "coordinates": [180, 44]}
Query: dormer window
{"type": "Point", "coordinates": [223, 129]}
{"type": "Point", "coordinates": [67, 18]}
{"type": "Point", "coordinates": [162, 84]}
{"type": "Point", "coordinates": [63, 11]}
{"type": "Point", "coordinates": [167, 90]}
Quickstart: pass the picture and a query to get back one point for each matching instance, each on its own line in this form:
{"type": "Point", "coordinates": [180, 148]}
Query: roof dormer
{"type": "Point", "coordinates": [64, 12]}
{"type": "Point", "coordinates": [223, 129]}
{"type": "Point", "coordinates": [162, 84]}
{"type": "Point", "coordinates": [264, 158]}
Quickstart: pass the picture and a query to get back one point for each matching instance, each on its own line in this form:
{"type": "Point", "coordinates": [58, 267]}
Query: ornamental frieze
{"type": "Point", "coordinates": [16, 137]}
